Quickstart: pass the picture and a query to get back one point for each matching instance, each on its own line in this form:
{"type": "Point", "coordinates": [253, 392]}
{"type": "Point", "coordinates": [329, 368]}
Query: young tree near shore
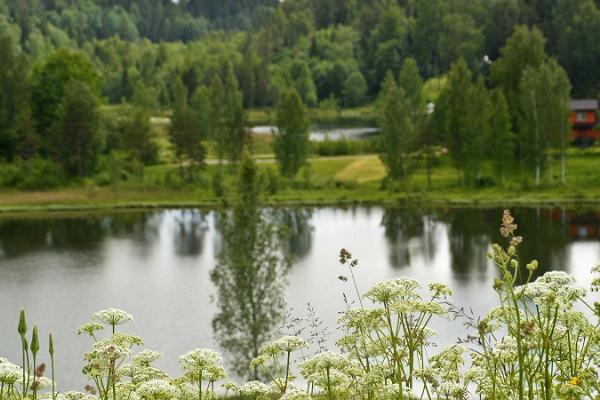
{"type": "Point", "coordinates": [397, 131]}
{"type": "Point", "coordinates": [291, 140]}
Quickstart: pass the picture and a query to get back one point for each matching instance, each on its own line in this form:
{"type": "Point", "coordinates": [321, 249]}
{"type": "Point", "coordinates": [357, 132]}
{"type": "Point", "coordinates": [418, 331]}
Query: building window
{"type": "Point", "coordinates": [581, 116]}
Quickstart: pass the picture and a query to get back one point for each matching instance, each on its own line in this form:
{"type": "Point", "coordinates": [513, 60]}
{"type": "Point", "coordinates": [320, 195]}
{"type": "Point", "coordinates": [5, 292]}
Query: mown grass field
{"type": "Point", "coordinates": [328, 181]}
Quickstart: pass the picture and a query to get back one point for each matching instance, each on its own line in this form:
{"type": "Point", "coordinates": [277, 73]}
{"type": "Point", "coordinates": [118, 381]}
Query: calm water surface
{"type": "Point", "coordinates": [157, 265]}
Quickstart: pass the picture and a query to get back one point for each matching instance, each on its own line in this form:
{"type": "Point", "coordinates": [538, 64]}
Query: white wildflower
{"type": "Point", "coordinates": [157, 389]}
{"type": "Point", "coordinates": [113, 316]}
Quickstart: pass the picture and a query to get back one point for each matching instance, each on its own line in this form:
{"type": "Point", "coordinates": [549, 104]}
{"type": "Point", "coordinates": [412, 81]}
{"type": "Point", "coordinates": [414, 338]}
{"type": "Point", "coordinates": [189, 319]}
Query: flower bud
{"type": "Point", "coordinates": [512, 250]}
{"type": "Point", "coordinates": [35, 341]}
{"type": "Point", "coordinates": [50, 345]}
{"type": "Point", "coordinates": [532, 266]}
{"type": "Point", "coordinates": [22, 323]}
{"type": "Point", "coordinates": [514, 264]}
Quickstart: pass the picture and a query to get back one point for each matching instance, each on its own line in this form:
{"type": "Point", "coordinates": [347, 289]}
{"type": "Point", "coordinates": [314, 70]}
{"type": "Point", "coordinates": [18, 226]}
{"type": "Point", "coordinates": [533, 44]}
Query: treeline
{"type": "Point", "coordinates": [515, 117]}
{"type": "Point", "coordinates": [330, 51]}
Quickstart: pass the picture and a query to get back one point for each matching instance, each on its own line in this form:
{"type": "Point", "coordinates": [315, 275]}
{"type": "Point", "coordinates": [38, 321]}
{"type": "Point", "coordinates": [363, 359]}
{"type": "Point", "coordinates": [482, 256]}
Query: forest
{"type": "Point", "coordinates": [81, 79]}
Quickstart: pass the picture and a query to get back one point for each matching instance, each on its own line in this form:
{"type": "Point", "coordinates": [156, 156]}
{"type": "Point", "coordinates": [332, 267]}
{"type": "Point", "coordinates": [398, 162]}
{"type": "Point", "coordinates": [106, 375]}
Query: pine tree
{"type": "Point", "coordinates": [291, 140]}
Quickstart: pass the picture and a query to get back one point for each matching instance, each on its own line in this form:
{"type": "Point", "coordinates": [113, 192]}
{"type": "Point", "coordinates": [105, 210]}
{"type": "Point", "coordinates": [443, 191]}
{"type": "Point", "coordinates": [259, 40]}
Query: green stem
{"type": "Point", "coordinates": [287, 372]}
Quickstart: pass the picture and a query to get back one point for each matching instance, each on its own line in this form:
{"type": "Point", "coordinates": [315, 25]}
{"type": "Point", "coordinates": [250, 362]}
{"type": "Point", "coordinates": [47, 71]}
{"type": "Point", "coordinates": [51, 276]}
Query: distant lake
{"type": "Point", "coordinates": [319, 133]}
{"type": "Point", "coordinates": [157, 265]}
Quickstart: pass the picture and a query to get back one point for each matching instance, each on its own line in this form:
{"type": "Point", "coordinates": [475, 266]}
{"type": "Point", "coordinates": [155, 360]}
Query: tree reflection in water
{"type": "Point", "coordinates": [403, 225]}
{"type": "Point", "coordinates": [296, 221]}
{"type": "Point", "coordinates": [249, 278]}
{"type": "Point", "coordinates": [190, 229]}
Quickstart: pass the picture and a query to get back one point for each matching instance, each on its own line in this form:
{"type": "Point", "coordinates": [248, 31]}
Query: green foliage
{"type": "Point", "coordinates": [75, 137]}
{"type": "Point", "coordinates": [462, 116]}
{"type": "Point", "coordinates": [524, 48]}
{"type": "Point", "coordinates": [544, 112]}
{"type": "Point", "coordinates": [36, 173]}
{"type": "Point", "coordinates": [501, 142]}
{"type": "Point", "coordinates": [14, 95]}
{"type": "Point", "coordinates": [397, 129]}
{"type": "Point", "coordinates": [291, 140]}
{"type": "Point", "coordinates": [50, 81]}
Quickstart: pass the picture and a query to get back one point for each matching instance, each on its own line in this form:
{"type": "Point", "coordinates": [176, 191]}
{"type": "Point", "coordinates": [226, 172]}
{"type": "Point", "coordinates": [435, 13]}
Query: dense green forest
{"type": "Point", "coordinates": [208, 61]}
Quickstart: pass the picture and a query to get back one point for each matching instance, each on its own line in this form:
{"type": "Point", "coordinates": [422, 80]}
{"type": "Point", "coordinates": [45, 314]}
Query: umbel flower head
{"type": "Point", "coordinates": [157, 389]}
{"type": "Point", "coordinates": [9, 373]}
{"type": "Point", "coordinates": [113, 316]}
{"type": "Point", "coordinates": [254, 390]}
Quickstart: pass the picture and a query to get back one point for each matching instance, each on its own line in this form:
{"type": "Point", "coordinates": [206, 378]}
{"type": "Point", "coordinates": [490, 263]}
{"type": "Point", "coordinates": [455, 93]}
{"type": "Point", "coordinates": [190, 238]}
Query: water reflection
{"type": "Point", "coordinates": [18, 237]}
{"type": "Point", "coordinates": [190, 229]}
{"type": "Point", "coordinates": [250, 282]}
{"type": "Point", "coordinates": [404, 226]}
{"type": "Point", "coordinates": [241, 258]}
{"type": "Point", "coordinates": [299, 230]}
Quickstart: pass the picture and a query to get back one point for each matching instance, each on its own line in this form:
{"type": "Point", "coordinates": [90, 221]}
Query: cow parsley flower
{"type": "Point", "coordinates": [199, 360]}
{"type": "Point", "coordinates": [394, 289]}
{"type": "Point", "coordinates": [254, 390]}
{"type": "Point", "coordinates": [113, 316]}
{"type": "Point", "coordinates": [9, 373]}
{"type": "Point", "coordinates": [157, 389]}
{"type": "Point", "coordinates": [505, 350]}
{"type": "Point", "coordinates": [90, 328]}
{"type": "Point", "coordinates": [296, 395]}
{"type": "Point", "coordinates": [290, 343]}
{"type": "Point", "coordinates": [146, 357]}
{"type": "Point", "coordinates": [71, 395]}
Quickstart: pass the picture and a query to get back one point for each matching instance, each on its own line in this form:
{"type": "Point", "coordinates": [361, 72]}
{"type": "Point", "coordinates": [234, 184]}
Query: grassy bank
{"type": "Point", "coordinates": [328, 181]}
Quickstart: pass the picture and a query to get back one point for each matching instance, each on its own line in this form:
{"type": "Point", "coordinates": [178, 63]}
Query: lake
{"type": "Point", "coordinates": [333, 132]}
{"type": "Point", "coordinates": [157, 265]}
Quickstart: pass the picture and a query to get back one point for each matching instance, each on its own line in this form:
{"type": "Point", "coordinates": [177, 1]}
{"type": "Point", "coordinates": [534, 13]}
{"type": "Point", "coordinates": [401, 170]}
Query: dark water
{"type": "Point", "coordinates": [157, 265]}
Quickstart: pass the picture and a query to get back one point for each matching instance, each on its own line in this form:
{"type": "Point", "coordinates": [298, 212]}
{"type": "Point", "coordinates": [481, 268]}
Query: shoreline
{"type": "Point", "coordinates": [9, 210]}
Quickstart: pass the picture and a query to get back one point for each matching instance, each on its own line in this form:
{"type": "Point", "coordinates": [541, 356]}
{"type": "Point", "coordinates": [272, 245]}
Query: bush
{"type": "Point", "coordinates": [116, 167]}
{"type": "Point", "coordinates": [37, 173]}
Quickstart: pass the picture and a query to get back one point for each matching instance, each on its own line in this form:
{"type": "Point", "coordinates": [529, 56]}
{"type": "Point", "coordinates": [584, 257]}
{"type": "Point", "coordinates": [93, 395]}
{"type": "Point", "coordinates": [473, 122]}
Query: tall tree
{"type": "Point", "coordinates": [501, 141]}
{"type": "Point", "coordinates": [14, 95]}
{"type": "Point", "coordinates": [574, 40]}
{"type": "Point", "coordinates": [76, 140]}
{"type": "Point", "coordinates": [410, 80]}
{"type": "Point", "coordinates": [50, 80]}
{"type": "Point", "coordinates": [138, 140]}
{"type": "Point", "coordinates": [397, 131]}
{"type": "Point", "coordinates": [185, 135]}
{"type": "Point", "coordinates": [232, 118]}
{"type": "Point", "coordinates": [462, 117]}
{"type": "Point", "coordinates": [544, 112]}
{"type": "Point", "coordinates": [524, 48]}
{"type": "Point", "coordinates": [291, 140]}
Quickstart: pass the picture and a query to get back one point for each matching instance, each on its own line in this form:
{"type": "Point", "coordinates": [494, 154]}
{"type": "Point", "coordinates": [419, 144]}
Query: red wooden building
{"type": "Point", "coordinates": [584, 117]}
